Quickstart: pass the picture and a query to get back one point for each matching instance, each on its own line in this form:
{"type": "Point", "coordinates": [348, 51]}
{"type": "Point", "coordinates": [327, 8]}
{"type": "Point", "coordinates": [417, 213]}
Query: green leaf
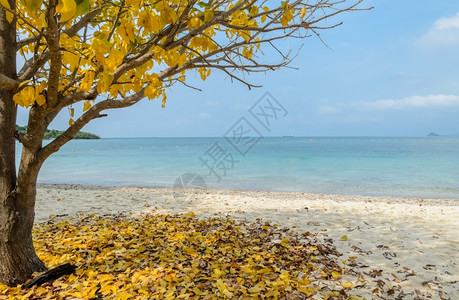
{"type": "Point", "coordinates": [284, 5]}
{"type": "Point", "coordinates": [203, 4]}
{"type": "Point", "coordinates": [32, 5]}
{"type": "Point", "coordinates": [106, 43]}
{"type": "Point", "coordinates": [83, 6]}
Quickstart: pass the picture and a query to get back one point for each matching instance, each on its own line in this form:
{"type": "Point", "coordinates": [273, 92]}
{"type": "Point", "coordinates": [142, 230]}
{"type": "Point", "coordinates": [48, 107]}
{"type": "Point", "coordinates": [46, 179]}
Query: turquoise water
{"type": "Point", "coordinates": [407, 167]}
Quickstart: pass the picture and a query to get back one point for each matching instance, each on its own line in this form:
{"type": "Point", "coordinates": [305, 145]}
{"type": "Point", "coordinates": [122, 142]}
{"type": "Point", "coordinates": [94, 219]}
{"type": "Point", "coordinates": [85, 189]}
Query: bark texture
{"type": "Point", "coordinates": [17, 197]}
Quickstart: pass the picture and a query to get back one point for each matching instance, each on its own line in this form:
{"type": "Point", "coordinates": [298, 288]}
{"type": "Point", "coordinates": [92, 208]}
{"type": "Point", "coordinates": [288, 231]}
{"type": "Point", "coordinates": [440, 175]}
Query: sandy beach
{"type": "Point", "coordinates": [412, 244]}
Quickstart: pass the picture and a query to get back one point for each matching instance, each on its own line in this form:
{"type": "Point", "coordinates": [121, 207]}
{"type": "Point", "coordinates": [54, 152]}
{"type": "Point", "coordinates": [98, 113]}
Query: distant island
{"type": "Point", "coordinates": [53, 133]}
{"type": "Point", "coordinates": [433, 134]}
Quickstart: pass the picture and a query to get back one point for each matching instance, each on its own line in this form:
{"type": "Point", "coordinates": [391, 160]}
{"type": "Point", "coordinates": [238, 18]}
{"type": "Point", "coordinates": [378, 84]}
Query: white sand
{"type": "Point", "coordinates": [414, 242]}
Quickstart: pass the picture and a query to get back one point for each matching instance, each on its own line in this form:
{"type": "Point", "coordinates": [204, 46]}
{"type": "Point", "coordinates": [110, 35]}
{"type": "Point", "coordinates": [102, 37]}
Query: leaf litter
{"type": "Point", "coordinates": [184, 257]}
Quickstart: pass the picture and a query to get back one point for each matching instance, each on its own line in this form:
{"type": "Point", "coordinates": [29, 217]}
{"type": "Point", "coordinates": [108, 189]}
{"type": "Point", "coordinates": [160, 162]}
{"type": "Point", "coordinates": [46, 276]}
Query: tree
{"type": "Point", "coordinates": [111, 54]}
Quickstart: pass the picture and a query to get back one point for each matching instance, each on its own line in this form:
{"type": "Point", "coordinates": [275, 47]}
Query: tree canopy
{"type": "Point", "coordinates": [83, 57]}
{"type": "Point", "coordinates": [111, 54]}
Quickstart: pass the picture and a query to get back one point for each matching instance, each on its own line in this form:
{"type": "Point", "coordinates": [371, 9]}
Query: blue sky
{"type": "Point", "coordinates": [391, 71]}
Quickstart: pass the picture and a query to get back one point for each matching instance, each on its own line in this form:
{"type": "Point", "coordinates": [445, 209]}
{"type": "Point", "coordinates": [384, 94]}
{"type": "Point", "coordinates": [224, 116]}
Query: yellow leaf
{"type": "Point", "coordinates": [5, 3]}
{"type": "Point", "coordinates": [247, 52]}
{"type": "Point", "coordinates": [285, 242]}
{"type": "Point", "coordinates": [123, 296]}
{"type": "Point", "coordinates": [303, 12]}
{"type": "Point", "coordinates": [194, 23]}
{"type": "Point", "coordinates": [72, 59]}
{"type": "Point", "coordinates": [218, 273]}
{"type": "Point", "coordinates": [87, 81]}
{"type": "Point", "coordinates": [347, 285]}
{"type": "Point", "coordinates": [67, 10]}
{"type": "Point", "coordinates": [208, 15]}
{"type": "Point", "coordinates": [155, 24]}
{"type": "Point", "coordinates": [104, 82]}
{"type": "Point", "coordinates": [72, 112]}
{"type": "Point", "coordinates": [41, 87]}
{"type": "Point", "coordinates": [144, 20]}
{"type": "Point", "coordinates": [191, 251]}
{"type": "Point", "coordinates": [106, 277]}
{"type": "Point", "coordinates": [336, 274]}
{"type": "Point", "coordinates": [173, 15]}
{"type": "Point", "coordinates": [26, 296]}
{"type": "Point", "coordinates": [9, 16]}
{"type": "Point", "coordinates": [263, 18]}
{"type": "Point", "coordinates": [164, 99]}
{"type": "Point", "coordinates": [284, 21]}
{"type": "Point", "coordinates": [40, 100]}
{"type": "Point", "coordinates": [32, 5]}
{"type": "Point", "coordinates": [25, 81]}
{"type": "Point", "coordinates": [254, 290]}
{"type": "Point", "coordinates": [86, 105]}
{"type": "Point", "coordinates": [18, 100]}
{"type": "Point", "coordinates": [142, 291]}
{"type": "Point", "coordinates": [344, 237]}
{"type": "Point", "coordinates": [71, 121]}
{"type": "Point", "coordinates": [128, 31]}
{"type": "Point", "coordinates": [204, 73]}
{"type": "Point", "coordinates": [25, 97]}
{"type": "Point", "coordinates": [228, 294]}
{"type": "Point", "coordinates": [109, 288]}
{"type": "Point", "coordinates": [304, 290]}
{"type": "Point", "coordinates": [150, 91]}
{"type": "Point", "coordinates": [190, 215]}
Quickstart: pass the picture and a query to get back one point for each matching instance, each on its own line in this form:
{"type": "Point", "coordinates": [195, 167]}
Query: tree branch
{"type": "Point", "coordinates": [7, 83]}
{"type": "Point", "coordinates": [32, 65]}
{"type": "Point", "coordinates": [52, 37]}
{"type": "Point", "coordinates": [76, 97]}
{"type": "Point", "coordinates": [72, 31]}
{"type": "Point", "coordinates": [91, 114]}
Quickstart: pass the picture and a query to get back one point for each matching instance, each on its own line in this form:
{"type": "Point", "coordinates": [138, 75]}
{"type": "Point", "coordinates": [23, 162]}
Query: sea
{"type": "Point", "coordinates": [414, 167]}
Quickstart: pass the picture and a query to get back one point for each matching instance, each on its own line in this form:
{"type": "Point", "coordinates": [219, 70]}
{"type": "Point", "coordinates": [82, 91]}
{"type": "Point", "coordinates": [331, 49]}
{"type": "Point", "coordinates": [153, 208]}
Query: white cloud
{"type": "Point", "coordinates": [447, 23]}
{"type": "Point", "coordinates": [327, 109]}
{"type": "Point", "coordinates": [444, 31]}
{"type": "Point", "coordinates": [429, 101]}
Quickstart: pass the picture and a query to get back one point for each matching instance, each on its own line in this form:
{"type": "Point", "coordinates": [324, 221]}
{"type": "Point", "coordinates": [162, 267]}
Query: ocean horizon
{"type": "Point", "coordinates": [412, 167]}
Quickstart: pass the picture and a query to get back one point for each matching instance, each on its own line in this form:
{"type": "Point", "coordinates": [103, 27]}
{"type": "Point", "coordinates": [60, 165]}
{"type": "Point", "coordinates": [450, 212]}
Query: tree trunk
{"type": "Point", "coordinates": [17, 197]}
{"type": "Point", "coordinates": [18, 259]}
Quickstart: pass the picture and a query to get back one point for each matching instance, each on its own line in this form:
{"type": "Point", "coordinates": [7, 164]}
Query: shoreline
{"type": "Point", "coordinates": [411, 242]}
{"type": "Point", "coordinates": [349, 197]}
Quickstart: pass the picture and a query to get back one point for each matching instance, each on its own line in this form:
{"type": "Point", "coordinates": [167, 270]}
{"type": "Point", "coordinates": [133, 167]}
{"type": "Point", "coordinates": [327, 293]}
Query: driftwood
{"type": "Point", "coordinates": [51, 275]}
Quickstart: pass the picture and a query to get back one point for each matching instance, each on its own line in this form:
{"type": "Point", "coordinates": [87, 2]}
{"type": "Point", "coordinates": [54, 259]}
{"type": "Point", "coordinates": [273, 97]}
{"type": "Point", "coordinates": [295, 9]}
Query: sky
{"type": "Point", "coordinates": [390, 71]}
